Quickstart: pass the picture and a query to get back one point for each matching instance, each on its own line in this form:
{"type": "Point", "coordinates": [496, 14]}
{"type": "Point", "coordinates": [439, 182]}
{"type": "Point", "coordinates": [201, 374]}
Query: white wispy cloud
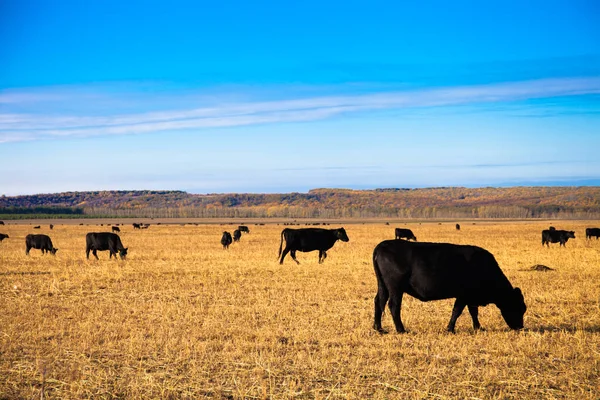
{"type": "Point", "coordinates": [35, 124]}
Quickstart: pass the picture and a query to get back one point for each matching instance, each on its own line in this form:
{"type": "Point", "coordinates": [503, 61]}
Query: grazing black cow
{"type": "Point", "coordinates": [115, 229]}
{"type": "Point", "coordinates": [226, 240]}
{"type": "Point", "coordinates": [1, 222]}
{"type": "Point", "coordinates": [51, 226]}
{"type": "Point", "coordinates": [405, 233]}
{"type": "Point", "coordinates": [3, 236]}
{"type": "Point", "coordinates": [136, 226]}
{"type": "Point", "coordinates": [237, 235]}
{"type": "Point", "coordinates": [556, 236]}
{"type": "Point", "coordinates": [37, 227]}
{"type": "Point", "coordinates": [592, 232]}
{"type": "Point", "coordinates": [310, 239]}
{"type": "Point", "coordinates": [243, 228]}
{"type": "Point", "coordinates": [436, 271]}
{"type": "Point", "coordinates": [40, 242]}
{"type": "Point", "coordinates": [458, 227]}
{"type": "Point", "coordinates": [100, 241]}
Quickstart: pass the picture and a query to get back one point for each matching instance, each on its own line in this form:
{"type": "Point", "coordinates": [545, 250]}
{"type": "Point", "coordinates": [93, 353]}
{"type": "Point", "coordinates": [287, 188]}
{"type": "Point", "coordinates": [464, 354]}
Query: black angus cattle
{"type": "Point", "coordinates": [226, 239]}
{"type": "Point", "coordinates": [115, 229]}
{"type": "Point", "coordinates": [1, 222]}
{"type": "Point", "coordinates": [237, 235]}
{"type": "Point", "coordinates": [458, 227]}
{"type": "Point", "coordinates": [436, 271]}
{"type": "Point", "coordinates": [136, 226]}
{"type": "Point", "coordinates": [3, 236]}
{"type": "Point", "coordinates": [37, 227]}
{"type": "Point", "coordinates": [40, 242]}
{"type": "Point", "coordinates": [556, 236]}
{"type": "Point", "coordinates": [243, 228]}
{"type": "Point", "coordinates": [310, 239]}
{"type": "Point", "coordinates": [592, 232]}
{"type": "Point", "coordinates": [51, 226]}
{"type": "Point", "coordinates": [405, 233]}
{"type": "Point", "coordinates": [100, 241]}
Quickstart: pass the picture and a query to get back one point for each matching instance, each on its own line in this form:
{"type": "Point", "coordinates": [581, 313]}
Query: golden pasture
{"type": "Point", "coordinates": [183, 318]}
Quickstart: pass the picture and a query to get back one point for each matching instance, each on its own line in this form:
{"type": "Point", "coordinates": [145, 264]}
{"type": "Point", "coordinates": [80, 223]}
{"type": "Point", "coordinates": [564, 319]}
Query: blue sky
{"type": "Point", "coordinates": [270, 97]}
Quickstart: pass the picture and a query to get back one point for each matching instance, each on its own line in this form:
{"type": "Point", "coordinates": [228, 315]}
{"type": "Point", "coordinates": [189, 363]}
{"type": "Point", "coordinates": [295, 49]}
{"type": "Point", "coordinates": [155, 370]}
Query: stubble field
{"type": "Point", "coordinates": [183, 318]}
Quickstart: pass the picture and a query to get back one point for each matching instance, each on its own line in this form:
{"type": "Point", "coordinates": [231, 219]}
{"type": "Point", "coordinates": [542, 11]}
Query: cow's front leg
{"type": "Point", "coordinates": [474, 311]}
{"type": "Point", "coordinates": [459, 306]}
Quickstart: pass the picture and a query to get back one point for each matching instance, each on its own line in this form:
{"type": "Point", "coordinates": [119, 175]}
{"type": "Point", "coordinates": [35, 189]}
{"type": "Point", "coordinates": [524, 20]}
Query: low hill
{"type": "Point", "coordinates": [441, 202]}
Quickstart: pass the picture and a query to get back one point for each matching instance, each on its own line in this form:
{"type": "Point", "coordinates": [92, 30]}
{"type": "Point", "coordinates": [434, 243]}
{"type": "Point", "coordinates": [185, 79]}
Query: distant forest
{"type": "Point", "coordinates": [441, 202]}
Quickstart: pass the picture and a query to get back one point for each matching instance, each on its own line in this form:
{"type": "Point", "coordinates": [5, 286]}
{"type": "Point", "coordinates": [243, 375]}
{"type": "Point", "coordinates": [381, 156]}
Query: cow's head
{"type": "Point", "coordinates": [341, 234]}
{"type": "Point", "coordinates": [123, 253]}
{"type": "Point", "coordinates": [571, 234]}
{"type": "Point", "coordinates": [53, 250]}
{"type": "Point", "coordinates": [513, 309]}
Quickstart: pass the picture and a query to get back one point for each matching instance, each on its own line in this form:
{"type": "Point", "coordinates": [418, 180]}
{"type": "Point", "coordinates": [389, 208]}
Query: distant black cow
{"type": "Point", "coordinates": [237, 235]}
{"type": "Point", "coordinates": [458, 227]}
{"type": "Point", "coordinates": [556, 236]}
{"type": "Point", "coordinates": [51, 226]}
{"type": "Point", "coordinates": [243, 228]}
{"type": "Point", "coordinates": [100, 241]}
{"type": "Point", "coordinates": [226, 239]}
{"type": "Point", "coordinates": [3, 236]}
{"type": "Point", "coordinates": [310, 239]}
{"type": "Point", "coordinates": [115, 229]}
{"type": "Point", "coordinates": [405, 233]}
{"type": "Point", "coordinates": [592, 232]}
{"type": "Point", "coordinates": [1, 222]}
{"type": "Point", "coordinates": [37, 227]}
{"type": "Point", "coordinates": [40, 242]}
{"type": "Point", "coordinates": [136, 226]}
{"type": "Point", "coordinates": [436, 271]}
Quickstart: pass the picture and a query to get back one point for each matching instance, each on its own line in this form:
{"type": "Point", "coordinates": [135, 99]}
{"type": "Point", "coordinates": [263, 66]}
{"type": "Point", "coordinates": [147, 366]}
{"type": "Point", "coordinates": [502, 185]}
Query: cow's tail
{"type": "Point", "coordinates": [281, 244]}
{"type": "Point", "coordinates": [382, 290]}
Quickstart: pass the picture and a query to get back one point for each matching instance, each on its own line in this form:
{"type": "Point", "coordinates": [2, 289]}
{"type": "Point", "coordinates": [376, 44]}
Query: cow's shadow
{"type": "Point", "coordinates": [25, 273]}
{"type": "Point", "coordinates": [563, 328]}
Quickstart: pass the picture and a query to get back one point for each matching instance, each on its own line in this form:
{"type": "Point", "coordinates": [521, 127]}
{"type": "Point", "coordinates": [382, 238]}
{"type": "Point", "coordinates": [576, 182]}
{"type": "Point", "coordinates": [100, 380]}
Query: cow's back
{"type": "Point", "coordinates": [309, 239]}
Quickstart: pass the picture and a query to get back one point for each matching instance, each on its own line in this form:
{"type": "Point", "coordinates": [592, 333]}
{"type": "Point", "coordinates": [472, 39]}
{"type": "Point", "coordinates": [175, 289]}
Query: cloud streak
{"type": "Point", "coordinates": [23, 126]}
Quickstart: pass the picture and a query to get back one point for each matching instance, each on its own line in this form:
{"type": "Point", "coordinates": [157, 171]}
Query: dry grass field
{"type": "Point", "coordinates": [183, 318]}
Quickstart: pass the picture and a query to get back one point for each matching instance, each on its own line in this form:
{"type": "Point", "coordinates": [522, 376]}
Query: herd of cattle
{"type": "Point", "coordinates": [427, 271]}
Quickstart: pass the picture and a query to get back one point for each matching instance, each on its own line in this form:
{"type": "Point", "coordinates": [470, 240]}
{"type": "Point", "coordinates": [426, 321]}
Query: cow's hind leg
{"type": "Point", "coordinates": [380, 299]}
{"type": "Point", "coordinates": [395, 305]}
{"type": "Point", "coordinates": [293, 254]}
{"type": "Point", "coordinates": [285, 252]}
{"type": "Point", "coordinates": [474, 311]}
{"type": "Point", "coordinates": [27, 250]}
{"type": "Point", "coordinates": [459, 306]}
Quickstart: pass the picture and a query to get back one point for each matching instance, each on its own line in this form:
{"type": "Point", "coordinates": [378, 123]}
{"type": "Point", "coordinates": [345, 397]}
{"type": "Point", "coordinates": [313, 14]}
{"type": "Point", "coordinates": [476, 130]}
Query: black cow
{"type": "Point", "coordinates": [1, 222]}
{"type": "Point", "coordinates": [458, 227]}
{"type": "Point", "coordinates": [51, 226]}
{"type": "Point", "coordinates": [310, 239]}
{"type": "Point", "coordinates": [405, 233]}
{"type": "Point", "coordinates": [226, 240]}
{"type": "Point", "coordinates": [436, 271]}
{"type": "Point", "coordinates": [40, 242]}
{"type": "Point", "coordinates": [115, 229]}
{"type": "Point", "coordinates": [136, 226]}
{"type": "Point", "coordinates": [237, 235]}
{"type": "Point", "coordinates": [243, 228]}
{"type": "Point", "coordinates": [37, 227]}
{"type": "Point", "coordinates": [101, 241]}
{"type": "Point", "coordinates": [556, 236]}
{"type": "Point", "coordinates": [589, 232]}
{"type": "Point", "coordinates": [3, 236]}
